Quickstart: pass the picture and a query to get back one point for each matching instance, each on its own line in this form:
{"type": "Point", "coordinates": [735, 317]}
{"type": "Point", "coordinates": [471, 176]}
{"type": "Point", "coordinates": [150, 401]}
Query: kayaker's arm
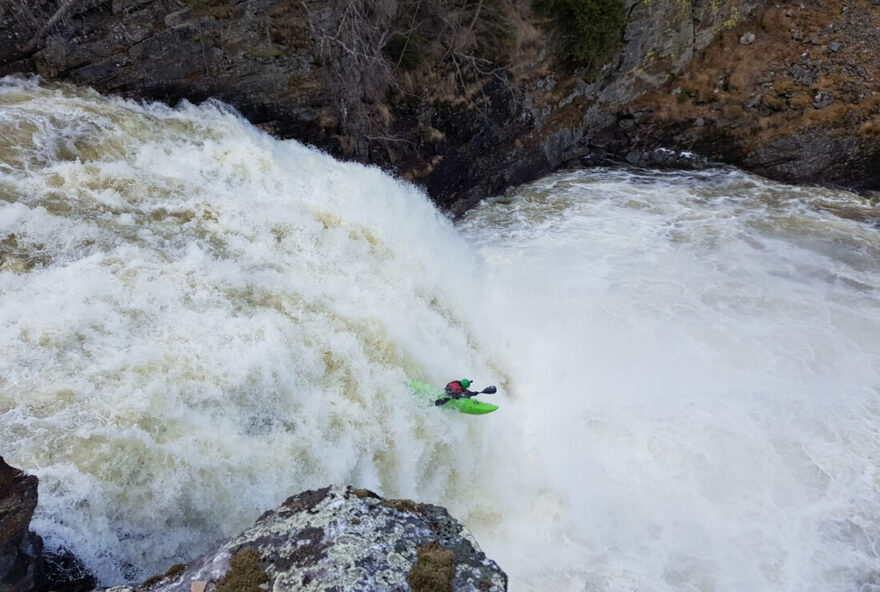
{"type": "Point", "coordinates": [467, 394]}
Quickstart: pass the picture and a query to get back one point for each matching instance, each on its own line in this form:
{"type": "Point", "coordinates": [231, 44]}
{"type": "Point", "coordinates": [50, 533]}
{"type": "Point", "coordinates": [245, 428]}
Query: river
{"type": "Point", "coordinates": [198, 320]}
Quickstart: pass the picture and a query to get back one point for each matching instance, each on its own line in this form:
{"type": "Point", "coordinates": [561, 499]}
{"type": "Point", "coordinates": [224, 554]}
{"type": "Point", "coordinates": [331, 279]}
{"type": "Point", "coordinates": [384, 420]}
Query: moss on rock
{"type": "Point", "coordinates": [245, 573]}
{"type": "Point", "coordinates": [173, 571]}
{"type": "Point", "coordinates": [402, 505]}
{"type": "Point", "coordinates": [434, 569]}
{"type": "Point", "coordinates": [592, 29]}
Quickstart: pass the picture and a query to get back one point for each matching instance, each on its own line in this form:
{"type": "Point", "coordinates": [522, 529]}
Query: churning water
{"type": "Point", "coordinates": [197, 320]}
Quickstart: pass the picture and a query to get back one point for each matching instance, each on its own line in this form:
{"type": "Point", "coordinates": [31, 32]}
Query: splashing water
{"type": "Point", "coordinates": [698, 358]}
{"type": "Point", "coordinates": [198, 320]}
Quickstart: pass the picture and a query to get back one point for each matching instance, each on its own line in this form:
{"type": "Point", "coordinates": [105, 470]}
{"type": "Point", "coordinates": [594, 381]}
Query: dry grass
{"type": "Point", "coordinates": [434, 569]}
{"type": "Point", "coordinates": [245, 573]}
{"type": "Point", "coordinates": [728, 76]}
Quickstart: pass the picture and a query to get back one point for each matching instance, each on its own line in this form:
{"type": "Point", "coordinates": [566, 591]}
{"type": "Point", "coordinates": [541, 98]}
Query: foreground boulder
{"type": "Point", "coordinates": [340, 538]}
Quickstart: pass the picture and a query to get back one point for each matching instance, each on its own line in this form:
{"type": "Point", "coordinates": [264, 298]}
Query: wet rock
{"type": "Point", "coordinates": [19, 549]}
{"type": "Point", "coordinates": [62, 571]}
{"type": "Point", "coordinates": [340, 538]}
{"type": "Point", "coordinates": [24, 567]}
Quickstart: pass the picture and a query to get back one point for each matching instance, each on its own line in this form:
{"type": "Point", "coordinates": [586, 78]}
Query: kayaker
{"type": "Point", "coordinates": [459, 388]}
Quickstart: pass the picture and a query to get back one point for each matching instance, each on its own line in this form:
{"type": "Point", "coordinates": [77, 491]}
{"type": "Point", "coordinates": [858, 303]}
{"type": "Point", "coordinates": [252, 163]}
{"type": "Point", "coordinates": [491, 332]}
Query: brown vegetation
{"type": "Point", "coordinates": [245, 573]}
{"type": "Point", "coordinates": [797, 73]}
{"type": "Point", "coordinates": [172, 572]}
{"type": "Point", "coordinates": [434, 569]}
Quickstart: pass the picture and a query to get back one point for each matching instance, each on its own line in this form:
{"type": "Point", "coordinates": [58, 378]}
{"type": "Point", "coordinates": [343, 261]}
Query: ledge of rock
{"type": "Point", "coordinates": [340, 538]}
{"type": "Point", "coordinates": [19, 549]}
{"type": "Point", "coordinates": [23, 564]}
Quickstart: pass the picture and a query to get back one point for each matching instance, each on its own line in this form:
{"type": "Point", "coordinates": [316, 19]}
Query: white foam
{"type": "Point", "coordinates": [198, 320]}
{"type": "Point", "coordinates": [210, 321]}
{"type": "Point", "coordinates": [708, 345]}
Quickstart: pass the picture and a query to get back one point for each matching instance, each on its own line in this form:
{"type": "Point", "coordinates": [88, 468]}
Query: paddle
{"type": "Point", "coordinates": [486, 391]}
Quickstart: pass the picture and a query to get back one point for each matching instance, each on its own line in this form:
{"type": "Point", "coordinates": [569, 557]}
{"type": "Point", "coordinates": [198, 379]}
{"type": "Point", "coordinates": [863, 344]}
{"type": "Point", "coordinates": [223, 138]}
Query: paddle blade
{"type": "Point", "coordinates": [439, 402]}
{"type": "Point", "coordinates": [489, 390]}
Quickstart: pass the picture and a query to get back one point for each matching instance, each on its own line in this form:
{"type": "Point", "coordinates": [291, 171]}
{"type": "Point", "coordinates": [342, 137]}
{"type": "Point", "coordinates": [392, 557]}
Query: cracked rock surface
{"type": "Point", "coordinates": [341, 538]}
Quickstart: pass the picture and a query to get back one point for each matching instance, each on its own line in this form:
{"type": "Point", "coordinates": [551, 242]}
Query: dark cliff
{"type": "Point", "coordinates": [19, 549]}
{"type": "Point", "coordinates": [469, 98]}
{"type": "Point", "coordinates": [24, 565]}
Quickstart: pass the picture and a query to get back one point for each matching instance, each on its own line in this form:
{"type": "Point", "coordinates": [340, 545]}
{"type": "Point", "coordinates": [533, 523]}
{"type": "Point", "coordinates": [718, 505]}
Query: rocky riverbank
{"type": "Point", "coordinates": [19, 548]}
{"type": "Point", "coordinates": [467, 100]}
{"type": "Point", "coordinates": [328, 539]}
{"type": "Point", "coordinates": [24, 566]}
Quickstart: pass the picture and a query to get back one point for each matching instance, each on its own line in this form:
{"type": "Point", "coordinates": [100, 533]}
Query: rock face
{"type": "Point", "coordinates": [19, 549]}
{"type": "Point", "coordinates": [467, 98]}
{"type": "Point", "coordinates": [798, 102]}
{"type": "Point", "coordinates": [23, 564]}
{"type": "Point", "coordinates": [341, 538]}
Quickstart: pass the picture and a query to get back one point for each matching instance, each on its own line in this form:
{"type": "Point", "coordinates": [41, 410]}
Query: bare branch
{"type": "Point", "coordinates": [63, 9]}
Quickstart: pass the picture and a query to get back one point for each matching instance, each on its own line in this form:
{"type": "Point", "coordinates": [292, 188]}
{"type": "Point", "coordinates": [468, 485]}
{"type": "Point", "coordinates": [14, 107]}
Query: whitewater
{"type": "Point", "coordinates": [198, 320]}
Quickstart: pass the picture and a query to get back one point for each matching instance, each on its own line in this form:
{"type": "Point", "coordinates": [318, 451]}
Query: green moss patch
{"type": "Point", "coordinates": [151, 581]}
{"type": "Point", "coordinates": [434, 569]}
{"type": "Point", "coordinates": [592, 30]}
{"type": "Point", "coordinates": [245, 573]}
{"type": "Point", "coordinates": [406, 51]}
{"type": "Point", "coordinates": [173, 571]}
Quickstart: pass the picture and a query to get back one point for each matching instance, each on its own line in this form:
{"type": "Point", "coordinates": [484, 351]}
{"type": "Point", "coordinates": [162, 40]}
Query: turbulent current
{"type": "Point", "coordinates": [198, 320]}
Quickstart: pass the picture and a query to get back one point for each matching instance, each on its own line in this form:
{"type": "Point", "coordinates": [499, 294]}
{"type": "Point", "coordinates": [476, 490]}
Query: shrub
{"type": "Point", "coordinates": [405, 51]}
{"type": "Point", "coordinates": [494, 35]}
{"type": "Point", "coordinates": [592, 30]}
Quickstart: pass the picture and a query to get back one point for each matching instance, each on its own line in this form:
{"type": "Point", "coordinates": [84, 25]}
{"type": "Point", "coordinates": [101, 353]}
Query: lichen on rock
{"type": "Point", "coordinates": [341, 538]}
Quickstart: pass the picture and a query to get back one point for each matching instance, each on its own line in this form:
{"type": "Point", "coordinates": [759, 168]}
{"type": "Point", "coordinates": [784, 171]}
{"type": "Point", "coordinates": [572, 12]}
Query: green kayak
{"type": "Point", "coordinates": [469, 406]}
